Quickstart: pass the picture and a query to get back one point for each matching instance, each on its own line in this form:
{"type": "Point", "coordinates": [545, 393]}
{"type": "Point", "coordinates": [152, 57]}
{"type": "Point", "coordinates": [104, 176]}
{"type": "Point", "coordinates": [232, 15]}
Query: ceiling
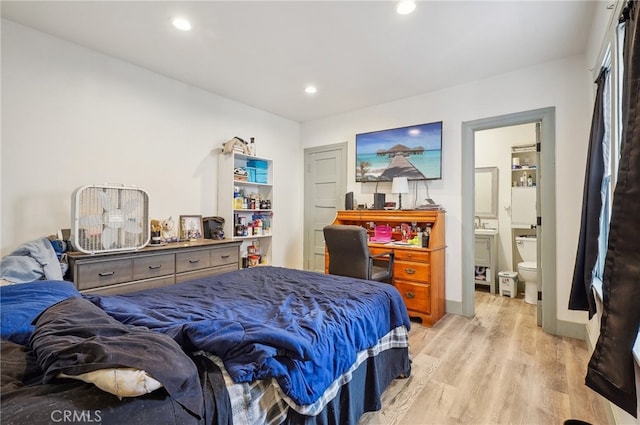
{"type": "Point", "coordinates": [357, 53]}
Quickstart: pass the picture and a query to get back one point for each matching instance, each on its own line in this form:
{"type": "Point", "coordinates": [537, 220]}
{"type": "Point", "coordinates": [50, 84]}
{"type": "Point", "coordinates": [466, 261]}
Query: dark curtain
{"type": "Point", "coordinates": [611, 368]}
{"type": "Point", "coordinates": [581, 297]}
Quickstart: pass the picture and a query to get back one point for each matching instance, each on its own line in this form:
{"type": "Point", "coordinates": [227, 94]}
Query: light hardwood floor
{"type": "Point", "coordinates": [498, 367]}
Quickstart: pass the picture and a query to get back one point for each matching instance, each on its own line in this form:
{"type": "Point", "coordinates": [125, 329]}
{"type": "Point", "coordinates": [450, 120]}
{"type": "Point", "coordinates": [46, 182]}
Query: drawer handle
{"type": "Point", "coordinates": [410, 294]}
{"type": "Point", "coordinates": [194, 261]}
{"type": "Point", "coordinates": [225, 256]}
{"type": "Point", "coordinates": [410, 271]}
{"type": "Point", "coordinates": [104, 274]}
{"type": "Point", "coordinates": [155, 267]}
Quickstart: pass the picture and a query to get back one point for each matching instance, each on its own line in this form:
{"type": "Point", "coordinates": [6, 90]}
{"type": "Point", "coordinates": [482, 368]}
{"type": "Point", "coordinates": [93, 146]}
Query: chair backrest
{"type": "Point", "coordinates": [348, 250]}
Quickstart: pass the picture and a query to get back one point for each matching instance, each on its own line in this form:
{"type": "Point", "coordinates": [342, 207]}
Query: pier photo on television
{"type": "Point", "coordinates": [414, 152]}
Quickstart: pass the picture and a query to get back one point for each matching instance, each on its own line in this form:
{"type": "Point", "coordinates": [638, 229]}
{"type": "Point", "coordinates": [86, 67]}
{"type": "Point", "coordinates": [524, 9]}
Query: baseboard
{"type": "Point", "coordinates": [571, 329]}
{"type": "Point", "coordinates": [453, 307]}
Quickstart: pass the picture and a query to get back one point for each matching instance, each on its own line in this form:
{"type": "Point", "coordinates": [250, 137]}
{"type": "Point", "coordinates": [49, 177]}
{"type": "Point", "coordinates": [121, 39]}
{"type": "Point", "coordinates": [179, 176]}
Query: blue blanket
{"type": "Point", "coordinates": [302, 328]}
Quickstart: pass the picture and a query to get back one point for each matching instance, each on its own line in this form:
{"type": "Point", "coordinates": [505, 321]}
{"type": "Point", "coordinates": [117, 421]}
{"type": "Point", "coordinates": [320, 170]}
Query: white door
{"type": "Point", "coordinates": [325, 184]}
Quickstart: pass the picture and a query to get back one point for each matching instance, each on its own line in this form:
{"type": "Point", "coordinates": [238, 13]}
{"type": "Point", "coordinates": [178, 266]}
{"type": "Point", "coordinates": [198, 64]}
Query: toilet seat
{"type": "Point", "coordinates": [528, 265]}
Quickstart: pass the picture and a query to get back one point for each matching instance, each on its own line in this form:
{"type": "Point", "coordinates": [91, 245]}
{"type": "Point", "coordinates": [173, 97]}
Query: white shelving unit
{"type": "Point", "coordinates": [246, 220]}
{"type": "Point", "coordinates": [524, 177]}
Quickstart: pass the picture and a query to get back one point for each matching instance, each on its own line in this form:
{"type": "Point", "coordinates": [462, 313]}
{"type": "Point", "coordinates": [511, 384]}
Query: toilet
{"type": "Point", "coordinates": [528, 268]}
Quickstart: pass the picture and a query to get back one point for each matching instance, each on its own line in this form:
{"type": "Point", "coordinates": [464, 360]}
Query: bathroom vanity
{"type": "Point", "coordinates": [486, 255]}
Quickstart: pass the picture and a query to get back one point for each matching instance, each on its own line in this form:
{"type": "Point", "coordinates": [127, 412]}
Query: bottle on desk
{"type": "Point", "coordinates": [425, 236]}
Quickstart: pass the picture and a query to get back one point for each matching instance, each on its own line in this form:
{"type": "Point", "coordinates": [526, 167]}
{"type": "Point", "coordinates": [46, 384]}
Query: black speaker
{"type": "Point", "coordinates": [348, 201]}
{"type": "Point", "coordinates": [378, 201]}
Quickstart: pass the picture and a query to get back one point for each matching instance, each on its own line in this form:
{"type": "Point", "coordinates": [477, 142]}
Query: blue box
{"type": "Point", "coordinates": [261, 176]}
{"type": "Point", "coordinates": [257, 163]}
{"type": "Point", "coordinates": [251, 174]}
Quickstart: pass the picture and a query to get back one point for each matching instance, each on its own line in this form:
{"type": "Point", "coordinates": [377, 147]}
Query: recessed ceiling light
{"type": "Point", "coordinates": [405, 7]}
{"type": "Point", "coordinates": [310, 89]}
{"type": "Point", "coordinates": [182, 24]}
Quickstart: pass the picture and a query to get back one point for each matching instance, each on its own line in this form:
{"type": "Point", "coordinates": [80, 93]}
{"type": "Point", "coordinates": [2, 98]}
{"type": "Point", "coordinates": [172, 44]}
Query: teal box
{"type": "Point", "coordinates": [251, 175]}
{"type": "Point", "coordinates": [257, 163]}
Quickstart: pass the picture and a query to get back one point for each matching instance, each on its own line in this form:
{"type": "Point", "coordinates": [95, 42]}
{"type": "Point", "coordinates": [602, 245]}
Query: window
{"type": "Point", "coordinates": [612, 141]}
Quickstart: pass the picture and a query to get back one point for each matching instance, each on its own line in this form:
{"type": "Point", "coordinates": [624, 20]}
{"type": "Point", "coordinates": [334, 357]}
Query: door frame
{"type": "Point", "coordinates": [342, 187]}
{"type": "Point", "coordinates": [547, 208]}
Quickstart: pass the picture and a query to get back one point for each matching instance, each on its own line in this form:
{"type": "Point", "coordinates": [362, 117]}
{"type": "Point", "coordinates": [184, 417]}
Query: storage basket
{"type": "Point", "coordinates": [382, 233]}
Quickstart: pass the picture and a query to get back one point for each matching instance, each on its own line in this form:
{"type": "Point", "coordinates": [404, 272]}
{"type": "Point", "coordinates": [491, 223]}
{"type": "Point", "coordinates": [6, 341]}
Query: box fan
{"type": "Point", "coordinates": [107, 218]}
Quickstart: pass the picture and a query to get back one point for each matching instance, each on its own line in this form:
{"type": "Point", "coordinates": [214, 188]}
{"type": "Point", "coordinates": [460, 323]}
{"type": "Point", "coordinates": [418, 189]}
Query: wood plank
{"type": "Point", "coordinates": [498, 367]}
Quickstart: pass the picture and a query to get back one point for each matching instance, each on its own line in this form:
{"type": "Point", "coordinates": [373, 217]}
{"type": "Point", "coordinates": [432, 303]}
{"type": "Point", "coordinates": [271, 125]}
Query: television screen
{"type": "Point", "coordinates": [414, 152]}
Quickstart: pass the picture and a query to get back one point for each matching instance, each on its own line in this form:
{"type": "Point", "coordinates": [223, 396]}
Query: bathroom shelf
{"type": "Point", "coordinates": [524, 181]}
{"type": "Point", "coordinates": [523, 160]}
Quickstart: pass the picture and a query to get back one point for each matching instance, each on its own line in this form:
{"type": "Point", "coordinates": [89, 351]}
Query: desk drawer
{"type": "Point", "coordinates": [222, 256]}
{"type": "Point", "coordinates": [412, 255]}
{"type": "Point", "coordinates": [377, 251]}
{"type": "Point", "coordinates": [153, 266]}
{"type": "Point", "coordinates": [412, 271]}
{"type": "Point", "coordinates": [193, 260]}
{"type": "Point", "coordinates": [103, 273]}
{"type": "Point", "coordinates": [416, 296]}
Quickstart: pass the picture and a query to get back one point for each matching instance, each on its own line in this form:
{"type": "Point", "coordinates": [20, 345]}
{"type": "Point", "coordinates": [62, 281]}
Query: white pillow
{"type": "Point", "coordinates": [121, 382]}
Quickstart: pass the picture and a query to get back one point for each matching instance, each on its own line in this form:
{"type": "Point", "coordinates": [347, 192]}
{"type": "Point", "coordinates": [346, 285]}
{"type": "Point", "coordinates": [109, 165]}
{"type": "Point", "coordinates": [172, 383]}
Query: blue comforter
{"type": "Point", "coordinates": [301, 328]}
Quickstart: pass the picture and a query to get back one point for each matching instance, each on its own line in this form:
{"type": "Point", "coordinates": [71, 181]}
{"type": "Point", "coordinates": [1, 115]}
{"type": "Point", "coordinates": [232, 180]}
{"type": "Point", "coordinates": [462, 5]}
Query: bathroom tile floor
{"type": "Point", "coordinates": [498, 367]}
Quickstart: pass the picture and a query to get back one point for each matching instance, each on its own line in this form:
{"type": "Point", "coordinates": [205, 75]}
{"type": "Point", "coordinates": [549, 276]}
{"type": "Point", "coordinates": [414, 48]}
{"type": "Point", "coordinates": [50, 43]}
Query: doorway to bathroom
{"type": "Point", "coordinates": [505, 211]}
{"type": "Point", "coordinates": [545, 206]}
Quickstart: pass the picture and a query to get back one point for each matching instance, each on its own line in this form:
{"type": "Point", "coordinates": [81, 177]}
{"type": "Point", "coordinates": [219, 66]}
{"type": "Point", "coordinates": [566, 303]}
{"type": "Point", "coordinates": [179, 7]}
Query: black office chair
{"type": "Point", "coordinates": [349, 254]}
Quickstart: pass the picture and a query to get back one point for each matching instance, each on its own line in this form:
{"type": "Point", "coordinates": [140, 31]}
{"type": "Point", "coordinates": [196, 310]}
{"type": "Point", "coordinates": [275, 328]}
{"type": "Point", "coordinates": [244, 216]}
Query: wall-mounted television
{"type": "Point", "coordinates": [414, 152]}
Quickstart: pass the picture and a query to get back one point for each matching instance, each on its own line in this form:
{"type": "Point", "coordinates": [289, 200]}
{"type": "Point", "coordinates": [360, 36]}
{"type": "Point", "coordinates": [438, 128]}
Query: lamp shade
{"type": "Point", "coordinates": [400, 185]}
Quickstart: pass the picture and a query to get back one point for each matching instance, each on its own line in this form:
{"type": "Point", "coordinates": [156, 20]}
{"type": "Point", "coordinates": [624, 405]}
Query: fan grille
{"type": "Point", "coordinates": [109, 218]}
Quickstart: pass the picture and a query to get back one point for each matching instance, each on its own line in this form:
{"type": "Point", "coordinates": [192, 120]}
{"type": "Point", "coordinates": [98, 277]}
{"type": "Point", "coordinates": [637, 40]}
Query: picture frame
{"type": "Point", "coordinates": [414, 152]}
{"type": "Point", "coordinates": [191, 227]}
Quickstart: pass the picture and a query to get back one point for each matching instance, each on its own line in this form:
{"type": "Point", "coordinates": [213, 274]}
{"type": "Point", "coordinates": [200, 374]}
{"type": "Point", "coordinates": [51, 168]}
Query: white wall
{"type": "Point", "coordinates": [559, 83]}
{"type": "Point", "coordinates": [72, 116]}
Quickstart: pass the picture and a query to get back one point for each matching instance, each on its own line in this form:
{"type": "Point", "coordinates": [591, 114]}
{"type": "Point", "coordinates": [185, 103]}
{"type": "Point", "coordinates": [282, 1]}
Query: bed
{"type": "Point", "coordinates": [253, 346]}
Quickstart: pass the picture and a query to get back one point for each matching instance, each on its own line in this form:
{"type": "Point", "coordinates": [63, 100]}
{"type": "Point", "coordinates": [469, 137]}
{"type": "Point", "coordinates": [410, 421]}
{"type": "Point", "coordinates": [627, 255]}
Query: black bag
{"type": "Point", "coordinates": [213, 227]}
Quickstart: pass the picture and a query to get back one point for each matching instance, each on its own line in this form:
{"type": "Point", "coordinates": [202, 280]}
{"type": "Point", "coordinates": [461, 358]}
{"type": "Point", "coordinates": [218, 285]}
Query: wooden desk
{"type": "Point", "coordinates": [418, 273]}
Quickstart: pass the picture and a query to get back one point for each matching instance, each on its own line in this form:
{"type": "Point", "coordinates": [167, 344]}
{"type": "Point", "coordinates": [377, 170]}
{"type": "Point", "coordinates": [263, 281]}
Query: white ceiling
{"type": "Point", "coordinates": [358, 53]}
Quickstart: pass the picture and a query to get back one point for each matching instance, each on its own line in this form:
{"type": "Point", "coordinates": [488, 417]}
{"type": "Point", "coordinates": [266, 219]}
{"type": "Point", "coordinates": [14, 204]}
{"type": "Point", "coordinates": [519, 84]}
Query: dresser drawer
{"type": "Point", "coordinates": [416, 296]}
{"type": "Point", "coordinates": [109, 272]}
{"type": "Point", "coordinates": [412, 271]}
{"type": "Point", "coordinates": [222, 256]}
{"type": "Point", "coordinates": [153, 266]}
{"type": "Point", "coordinates": [193, 260]}
{"type": "Point", "coordinates": [412, 255]}
{"type": "Point", "coordinates": [197, 274]}
{"type": "Point", "coordinates": [124, 288]}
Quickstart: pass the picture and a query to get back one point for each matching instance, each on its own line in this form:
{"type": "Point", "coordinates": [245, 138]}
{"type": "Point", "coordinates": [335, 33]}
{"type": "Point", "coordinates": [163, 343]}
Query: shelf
{"type": "Point", "coordinates": [251, 237]}
{"type": "Point", "coordinates": [523, 148]}
{"type": "Point", "coordinates": [247, 183]}
{"type": "Point", "coordinates": [249, 188]}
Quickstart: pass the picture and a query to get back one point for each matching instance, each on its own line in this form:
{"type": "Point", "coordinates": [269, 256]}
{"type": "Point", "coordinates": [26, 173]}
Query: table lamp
{"type": "Point", "coordinates": [400, 185]}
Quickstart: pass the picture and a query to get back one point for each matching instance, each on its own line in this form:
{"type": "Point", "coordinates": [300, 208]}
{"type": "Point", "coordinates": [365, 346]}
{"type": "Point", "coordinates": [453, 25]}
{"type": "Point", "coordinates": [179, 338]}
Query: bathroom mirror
{"type": "Point", "coordinates": [487, 192]}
